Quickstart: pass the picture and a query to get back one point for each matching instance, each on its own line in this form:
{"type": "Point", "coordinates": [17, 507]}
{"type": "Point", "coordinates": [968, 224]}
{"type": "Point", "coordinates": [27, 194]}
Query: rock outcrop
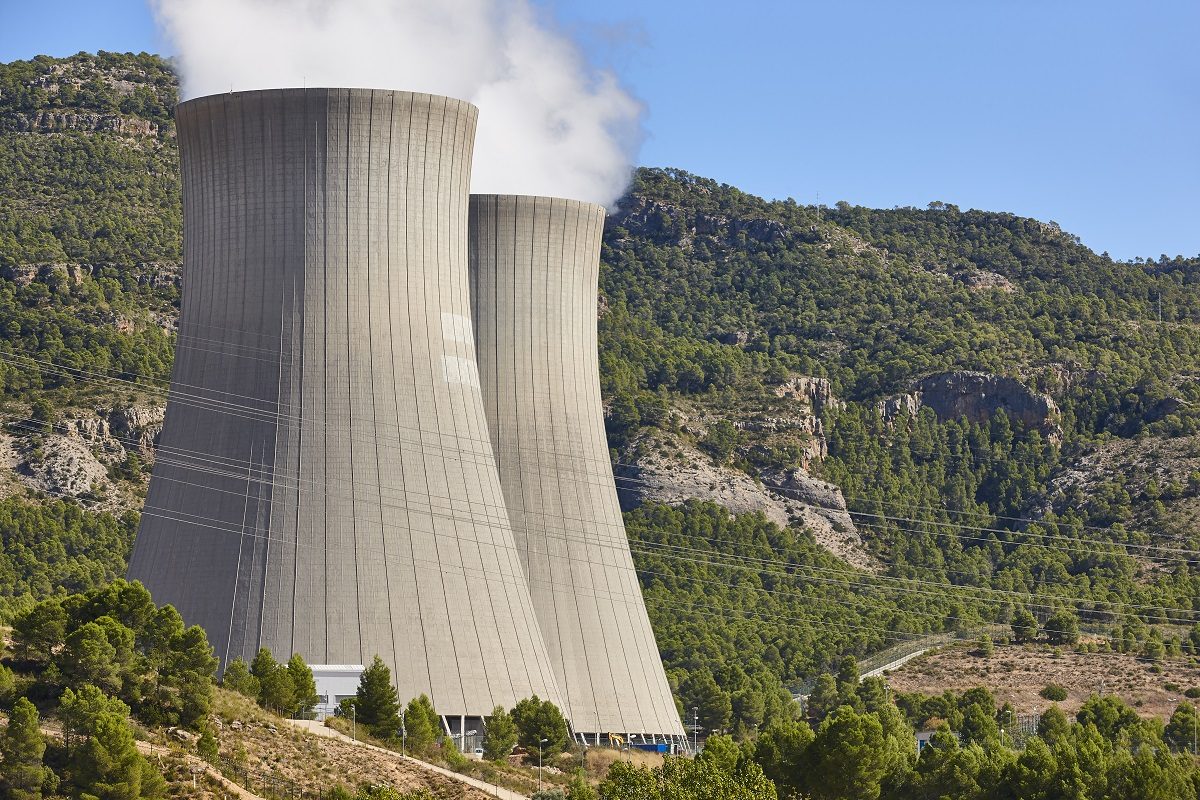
{"type": "Point", "coordinates": [978, 396]}
{"type": "Point", "coordinates": [816, 392]}
{"type": "Point", "coordinates": [116, 431]}
{"type": "Point", "coordinates": [63, 466]}
{"type": "Point", "coordinates": [666, 472]}
{"type": "Point", "coordinates": [75, 120]}
{"type": "Point", "coordinates": [73, 458]}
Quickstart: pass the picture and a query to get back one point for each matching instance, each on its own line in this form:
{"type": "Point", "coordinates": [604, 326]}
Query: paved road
{"type": "Point", "coordinates": [899, 662]}
{"type": "Point", "coordinates": [318, 729]}
{"type": "Point", "coordinates": [873, 673]}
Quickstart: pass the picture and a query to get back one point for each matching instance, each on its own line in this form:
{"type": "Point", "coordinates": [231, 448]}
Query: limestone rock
{"type": "Point", "coordinates": [978, 396]}
{"type": "Point", "coordinates": [817, 392]}
{"type": "Point", "coordinates": [56, 121]}
{"type": "Point", "coordinates": [66, 467]}
{"type": "Point", "coordinates": [908, 404]}
{"type": "Point", "coordinates": [140, 424]}
{"type": "Point", "coordinates": [664, 471]}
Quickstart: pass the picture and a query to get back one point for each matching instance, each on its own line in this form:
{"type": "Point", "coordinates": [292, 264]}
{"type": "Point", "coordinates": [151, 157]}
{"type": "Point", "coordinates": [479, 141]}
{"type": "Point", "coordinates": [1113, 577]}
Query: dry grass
{"type": "Point", "coordinates": [600, 759]}
{"type": "Point", "coordinates": [267, 756]}
{"type": "Point", "coordinates": [1015, 674]}
{"type": "Point", "coordinates": [273, 755]}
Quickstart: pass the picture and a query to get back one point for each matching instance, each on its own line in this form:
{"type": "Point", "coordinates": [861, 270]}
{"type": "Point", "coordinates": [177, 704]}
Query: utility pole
{"type": "Point", "coordinates": [353, 723]}
{"type": "Point", "coordinates": [695, 728]}
{"type": "Point", "coordinates": [540, 743]}
{"type": "Point", "coordinates": [403, 733]}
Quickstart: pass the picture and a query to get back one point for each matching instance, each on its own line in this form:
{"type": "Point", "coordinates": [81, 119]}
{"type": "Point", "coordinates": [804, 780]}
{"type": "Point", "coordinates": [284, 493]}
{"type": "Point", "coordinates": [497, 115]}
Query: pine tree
{"type": "Point", "coordinates": [500, 735]}
{"type": "Point", "coordinates": [40, 630]}
{"type": "Point", "coordinates": [207, 746]}
{"type": "Point", "coordinates": [276, 692]}
{"type": "Point", "coordinates": [537, 720]}
{"type": "Point", "coordinates": [80, 709]}
{"type": "Point", "coordinates": [90, 658]}
{"type": "Point", "coordinates": [237, 678]}
{"type": "Point", "coordinates": [108, 766]}
{"type": "Point", "coordinates": [304, 687]}
{"type": "Point", "coordinates": [275, 689]}
{"type": "Point", "coordinates": [376, 703]}
{"type": "Point", "coordinates": [190, 668]}
{"type": "Point", "coordinates": [421, 723]}
{"type": "Point", "coordinates": [1024, 626]}
{"type": "Point", "coordinates": [263, 664]}
{"type": "Point", "coordinates": [579, 788]}
{"type": "Point", "coordinates": [21, 749]}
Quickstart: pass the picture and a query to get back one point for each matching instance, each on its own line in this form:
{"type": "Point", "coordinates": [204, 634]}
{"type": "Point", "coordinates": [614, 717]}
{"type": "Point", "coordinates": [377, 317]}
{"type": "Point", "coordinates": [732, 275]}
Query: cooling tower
{"type": "Point", "coordinates": [534, 265]}
{"type": "Point", "coordinates": [325, 483]}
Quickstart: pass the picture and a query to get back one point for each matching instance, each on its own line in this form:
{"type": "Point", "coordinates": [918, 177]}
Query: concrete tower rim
{"type": "Point", "coordinates": [285, 91]}
{"type": "Point", "coordinates": [570, 202]}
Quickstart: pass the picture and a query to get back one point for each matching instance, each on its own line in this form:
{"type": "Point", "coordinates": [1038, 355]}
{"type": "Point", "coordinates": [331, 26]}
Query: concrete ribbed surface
{"type": "Point", "coordinates": [534, 265]}
{"type": "Point", "coordinates": [325, 481]}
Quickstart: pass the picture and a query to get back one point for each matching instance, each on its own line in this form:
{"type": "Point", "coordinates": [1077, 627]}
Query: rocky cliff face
{"type": "Point", "coordinates": [816, 392]}
{"type": "Point", "coordinates": [978, 396]}
{"type": "Point", "coordinates": [92, 122]}
{"type": "Point", "coordinates": [74, 458]}
{"type": "Point", "coordinates": [661, 470]}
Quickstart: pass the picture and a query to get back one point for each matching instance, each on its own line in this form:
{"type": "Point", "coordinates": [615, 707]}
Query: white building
{"type": "Point", "coordinates": [335, 682]}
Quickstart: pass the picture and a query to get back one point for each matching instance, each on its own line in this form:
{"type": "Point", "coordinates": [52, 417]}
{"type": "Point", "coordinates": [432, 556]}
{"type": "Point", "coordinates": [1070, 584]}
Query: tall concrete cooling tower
{"type": "Point", "coordinates": [534, 265]}
{"type": "Point", "coordinates": [325, 482]}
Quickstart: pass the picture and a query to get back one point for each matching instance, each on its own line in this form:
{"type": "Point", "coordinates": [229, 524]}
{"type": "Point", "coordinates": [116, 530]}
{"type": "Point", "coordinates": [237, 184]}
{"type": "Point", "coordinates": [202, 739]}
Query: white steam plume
{"type": "Point", "coordinates": [549, 123]}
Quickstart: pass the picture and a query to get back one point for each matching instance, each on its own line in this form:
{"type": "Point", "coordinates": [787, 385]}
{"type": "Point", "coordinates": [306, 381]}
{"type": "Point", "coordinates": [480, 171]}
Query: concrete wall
{"type": "Point", "coordinates": [534, 265]}
{"type": "Point", "coordinates": [325, 482]}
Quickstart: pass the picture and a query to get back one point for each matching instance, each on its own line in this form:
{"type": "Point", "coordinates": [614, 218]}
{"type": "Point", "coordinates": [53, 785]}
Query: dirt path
{"type": "Point", "coordinates": [317, 729]}
{"type": "Point", "coordinates": [149, 749]}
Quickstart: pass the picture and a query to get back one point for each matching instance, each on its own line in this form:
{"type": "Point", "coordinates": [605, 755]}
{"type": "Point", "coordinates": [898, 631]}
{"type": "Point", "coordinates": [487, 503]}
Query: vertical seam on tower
{"type": "Point", "coordinates": [583, 484]}
{"type": "Point", "coordinates": [325, 363]}
{"type": "Point", "coordinates": [476, 284]}
{"type": "Point", "coordinates": [383, 531]}
{"type": "Point", "coordinates": [547, 477]}
{"type": "Point", "coordinates": [543, 517]}
{"type": "Point", "coordinates": [299, 382]}
{"type": "Point", "coordinates": [450, 395]}
{"type": "Point", "coordinates": [350, 365]}
{"type": "Point", "coordinates": [469, 448]}
{"type": "Point", "coordinates": [519, 585]}
{"type": "Point", "coordinates": [265, 119]}
{"type": "Point", "coordinates": [546, 667]}
{"type": "Point", "coordinates": [408, 186]}
{"type": "Point", "coordinates": [241, 536]}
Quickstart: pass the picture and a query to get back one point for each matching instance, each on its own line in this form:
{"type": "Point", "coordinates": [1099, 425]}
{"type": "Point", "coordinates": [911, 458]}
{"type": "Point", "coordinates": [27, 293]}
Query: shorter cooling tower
{"type": "Point", "coordinates": [534, 268]}
{"type": "Point", "coordinates": [325, 482]}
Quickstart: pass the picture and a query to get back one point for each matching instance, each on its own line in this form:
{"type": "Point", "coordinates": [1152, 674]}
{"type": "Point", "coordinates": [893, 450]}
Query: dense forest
{"type": "Point", "coordinates": [710, 299]}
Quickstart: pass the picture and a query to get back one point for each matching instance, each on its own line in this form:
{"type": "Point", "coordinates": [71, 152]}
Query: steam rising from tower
{"type": "Point", "coordinates": [549, 124]}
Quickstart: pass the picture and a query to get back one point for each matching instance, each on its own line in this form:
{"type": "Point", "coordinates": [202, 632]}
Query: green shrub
{"type": "Point", "coordinates": [1052, 691]}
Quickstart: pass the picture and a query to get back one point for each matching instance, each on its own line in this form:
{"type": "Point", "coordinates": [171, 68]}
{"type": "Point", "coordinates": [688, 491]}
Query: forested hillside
{"type": "Point", "coordinates": [992, 417]}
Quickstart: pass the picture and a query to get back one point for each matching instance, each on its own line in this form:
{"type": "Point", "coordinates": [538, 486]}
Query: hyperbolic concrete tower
{"type": "Point", "coordinates": [325, 482]}
{"type": "Point", "coordinates": [534, 268]}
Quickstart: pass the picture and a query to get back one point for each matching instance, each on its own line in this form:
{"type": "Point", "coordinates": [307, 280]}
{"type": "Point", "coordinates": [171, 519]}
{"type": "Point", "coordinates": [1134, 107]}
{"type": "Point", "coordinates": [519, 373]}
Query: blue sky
{"type": "Point", "coordinates": [1086, 113]}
